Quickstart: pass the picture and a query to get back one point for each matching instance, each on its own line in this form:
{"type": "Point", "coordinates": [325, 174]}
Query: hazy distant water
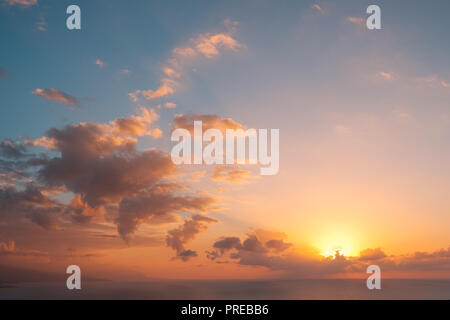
{"type": "Point", "coordinates": [225, 289]}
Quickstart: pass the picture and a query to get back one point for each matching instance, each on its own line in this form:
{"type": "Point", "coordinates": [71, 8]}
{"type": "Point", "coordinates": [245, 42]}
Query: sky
{"type": "Point", "coordinates": [86, 118]}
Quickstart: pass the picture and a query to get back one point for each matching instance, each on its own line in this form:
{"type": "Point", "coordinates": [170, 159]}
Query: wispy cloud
{"type": "Point", "coordinates": [231, 174]}
{"type": "Point", "coordinates": [125, 71]}
{"type": "Point", "coordinates": [57, 96]}
{"type": "Point", "coordinates": [99, 63]}
{"type": "Point", "coordinates": [170, 105]}
{"type": "Point", "coordinates": [41, 25]}
{"type": "Point", "coordinates": [355, 20]}
{"type": "Point", "coordinates": [207, 45]}
{"type": "Point", "coordinates": [317, 7]}
{"type": "Point", "coordinates": [177, 238]}
{"type": "Point", "coordinates": [22, 3]}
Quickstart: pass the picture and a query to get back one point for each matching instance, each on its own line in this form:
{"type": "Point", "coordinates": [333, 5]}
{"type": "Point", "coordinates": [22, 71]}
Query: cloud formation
{"type": "Point", "coordinates": [209, 121]}
{"type": "Point", "coordinates": [57, 96]}
{"type": "Point", "coordinates": [22, 3]}
{"type": "Point", "coordinates": [159, 205]}
{"type": "Point", "coordinates": [276, 254]}
{"type": "Point", "coordinates": [230, 174]}
{"type": "Point", "coordinates": [178, 237]}
{"type": "Point", "coordinates": [137, 125]}
{"type": "Point", "coordinates": [10, 249]}
{"type": "Point", "coordinates": [12, 149]}
{"type": "Point", "coordinates": [99, 63]}
{"type": "Point", "coordinates": [355, 20]}
{"type": "Point", "coordinates": [207, 45]}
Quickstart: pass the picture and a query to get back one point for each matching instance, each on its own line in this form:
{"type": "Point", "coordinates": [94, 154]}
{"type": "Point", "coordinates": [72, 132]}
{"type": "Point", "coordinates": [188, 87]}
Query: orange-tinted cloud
{"type": "Point", "coordinates": [22, 3]}
{"type": "Point", "coordinates": [209, 44]}
{"type": "Point", "coordinates": [317, 7]}
{"type": "Point", "coordinates": [355, 20]}
{"type": "Point", "coordinates": [209, 121]}
{"type": "Point", "coordinates": [230, 174]}
{"type": "Point", "coordinates": [178, 237]}
{"type": "Point", "coordinates": [156, 206]}
{"type": "Point", "coordinates": [137, 125]}
{"type": "Point", "coordinates": [58, 96]}
{"type": "Point", "coordinates": [99, 63]}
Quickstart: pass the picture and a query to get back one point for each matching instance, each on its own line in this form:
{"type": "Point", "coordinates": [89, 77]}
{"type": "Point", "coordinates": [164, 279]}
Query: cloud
{"type": "Point", "coordinates": [99, 63]}
{"type": "Point", "coordinates": [58, 96]}
{"type": "Point", "coordinates": [41, 25]}
{"type": "Point", "coordinates": [209, 121]}
{"type": "Point", "coordinates": [355, 20]}
{"type": "Point", "coordinates": [386, 75]}
{"type": "Point", "coordinates": [12, 149]}
{"type": "Point", "coordinates": [9, 249]}
{"type": "Point", "coordinates": [445, 84]}
{"type": "Point", "coordinates": [433, 81]}
{"type": "Point", "coordinates": [371, 254]}
{"type": "Point", "coordinates": [178, 237]}
{"type": "Point", "coordinates": [230, 174]}
{"type": "Point", "coordinates": [159, 205]}
{"type": "Point", "coordinates": [317, 7]}
{"type": "Point", "coordinates": [170, 105]}
{"type": "Point", "coordinates": [170, 72]}
{"type": "Point", "coordinates": [30, 204]}
{"type": "Point", "coordinates": [276, 254]}
{"type": "Point", "coordinates": [125, 71]}
{"type": "Point", "coordinates": [207, 45]}
{"type": "Point", "coordinates": [278, 245]}
{"type": "Point", "coordinates": [184, 52]}
{"type": "Point", "coordinates": [22, 3]}
{"type": "Point", "coordinates": [167, 88]}
{"type": "Point", "coordinates": [101, 165]}
{"type": "Point", "coordinates": [137, 125]}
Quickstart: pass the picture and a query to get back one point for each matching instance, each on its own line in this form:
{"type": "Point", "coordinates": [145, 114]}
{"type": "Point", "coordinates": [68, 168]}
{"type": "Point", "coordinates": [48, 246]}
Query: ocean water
{"type": "Point", "coordinates": [234, 289]}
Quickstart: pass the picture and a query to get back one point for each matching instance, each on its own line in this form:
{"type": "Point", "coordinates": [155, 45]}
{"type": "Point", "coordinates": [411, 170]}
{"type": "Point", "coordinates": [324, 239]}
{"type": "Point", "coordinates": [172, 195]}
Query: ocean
{"type": "Point", "coordinates": [340, 289]}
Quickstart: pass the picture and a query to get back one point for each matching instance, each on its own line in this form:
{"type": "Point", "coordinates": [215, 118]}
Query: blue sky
{"type": "Point", "coordinates": [285, 44]}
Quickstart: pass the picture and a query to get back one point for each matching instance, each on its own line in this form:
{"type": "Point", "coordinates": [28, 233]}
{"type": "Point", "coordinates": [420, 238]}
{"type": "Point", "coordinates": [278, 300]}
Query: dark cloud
{"type": "Point", "coordinates": [187, 254]}
{"type": "Point", "coordinates": [178, 237]}
{"type": "Point", "coordinates": [111, 181]}
{"type": "Point", "coordinates": [30, 204]}
{"type": "Point", "coordinates": [252, 252]}
{"type": "Point", "coordinates": [278, 245]}
{"type": "Point", "coordinates": [100, 166]}
{"type": "Point", "coordinates": [222, 246]}
{"type": "Point", "coordinates": [12, 149]}
{"type": "Point", "coordinates": [159, 205]}
{"type": "Point", "coordinates": [371, 254]}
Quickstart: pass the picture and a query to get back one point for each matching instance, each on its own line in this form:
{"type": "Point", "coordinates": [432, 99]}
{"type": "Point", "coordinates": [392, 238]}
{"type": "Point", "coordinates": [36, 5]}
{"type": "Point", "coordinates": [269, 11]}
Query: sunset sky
{"type": "Point", "coordinates": [364, 117]}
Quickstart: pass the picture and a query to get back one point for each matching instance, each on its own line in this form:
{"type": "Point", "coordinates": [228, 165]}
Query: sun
{"type": "Point", "coordinates": [344, 247]}
{"type": "Point", "coordinates": [337, 251]}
